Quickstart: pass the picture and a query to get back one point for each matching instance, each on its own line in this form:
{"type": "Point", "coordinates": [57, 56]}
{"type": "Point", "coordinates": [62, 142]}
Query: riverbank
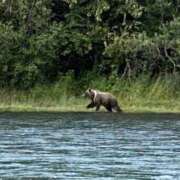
{"type": "Point", "coordinates": [140, 109]}
{"type": "Point", "coordinates": [73, 106]}
{"type": "Point", "coordinates": [140, 95]}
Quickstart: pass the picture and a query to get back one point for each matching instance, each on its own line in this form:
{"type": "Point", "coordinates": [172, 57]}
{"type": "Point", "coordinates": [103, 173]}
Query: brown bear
{"type": "Point", "coordinates": [105, 99]}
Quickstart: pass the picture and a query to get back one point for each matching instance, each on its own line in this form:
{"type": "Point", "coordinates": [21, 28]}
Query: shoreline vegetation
{"type": "Point", "coordinates": [52, 51]}
{"type": "Point", "coordinates": [139, 95]}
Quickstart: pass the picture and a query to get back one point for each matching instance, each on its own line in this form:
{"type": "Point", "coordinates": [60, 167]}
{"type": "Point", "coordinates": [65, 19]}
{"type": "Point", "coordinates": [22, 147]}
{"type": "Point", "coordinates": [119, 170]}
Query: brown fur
{"type": "Point", "coordinates": [105, 99]}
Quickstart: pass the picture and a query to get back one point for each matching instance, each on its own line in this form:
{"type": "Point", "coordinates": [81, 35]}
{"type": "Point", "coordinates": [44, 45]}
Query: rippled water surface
{"type": "Point", "coordinates": [90, 146]}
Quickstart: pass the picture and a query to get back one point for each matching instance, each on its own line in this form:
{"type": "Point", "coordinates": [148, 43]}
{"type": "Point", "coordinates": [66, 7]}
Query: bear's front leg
{"type": "Point", "coordinates": [97, 107]}
{"type": "Point", "coordinates": [91, 105]}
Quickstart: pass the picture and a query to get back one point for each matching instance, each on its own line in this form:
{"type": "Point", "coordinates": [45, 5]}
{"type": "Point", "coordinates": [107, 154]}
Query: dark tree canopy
{"type": "Point", "coordinates": [42, 40]}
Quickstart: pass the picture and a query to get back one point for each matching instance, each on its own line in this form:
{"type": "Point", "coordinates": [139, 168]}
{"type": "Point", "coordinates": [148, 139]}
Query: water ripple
{"type": "Point", "coordinates": [89, 146]}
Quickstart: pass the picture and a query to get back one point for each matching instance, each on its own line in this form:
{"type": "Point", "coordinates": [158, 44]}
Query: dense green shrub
{"type": "Point", "coordinates": [43, 40]}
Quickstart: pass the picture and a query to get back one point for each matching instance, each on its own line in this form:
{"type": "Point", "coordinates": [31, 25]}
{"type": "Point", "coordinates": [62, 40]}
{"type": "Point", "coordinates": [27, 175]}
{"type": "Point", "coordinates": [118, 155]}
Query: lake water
{"type": "Point", "coordinates": [90, 146]}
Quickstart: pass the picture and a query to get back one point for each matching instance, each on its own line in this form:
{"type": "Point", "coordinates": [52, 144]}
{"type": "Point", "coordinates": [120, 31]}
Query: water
{"type": "Point", "coordinates": [89, 146]}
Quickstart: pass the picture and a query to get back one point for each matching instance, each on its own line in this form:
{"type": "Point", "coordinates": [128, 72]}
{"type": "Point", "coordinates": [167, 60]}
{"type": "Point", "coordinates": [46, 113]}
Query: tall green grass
{"type": "Point", "coordinates": [139, 95]}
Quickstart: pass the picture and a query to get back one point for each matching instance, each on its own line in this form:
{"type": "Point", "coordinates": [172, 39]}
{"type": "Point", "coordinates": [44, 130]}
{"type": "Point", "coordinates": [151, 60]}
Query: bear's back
{"type": "Point", "coordinates": [105, 97]}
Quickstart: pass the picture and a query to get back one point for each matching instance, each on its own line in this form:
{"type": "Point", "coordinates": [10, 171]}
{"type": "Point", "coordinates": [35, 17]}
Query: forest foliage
{"type": "Point", "coordinates": [44, 40]}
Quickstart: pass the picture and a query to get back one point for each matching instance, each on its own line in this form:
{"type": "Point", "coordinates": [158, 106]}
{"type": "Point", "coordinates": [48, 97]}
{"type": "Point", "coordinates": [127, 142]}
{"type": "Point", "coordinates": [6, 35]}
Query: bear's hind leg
{"type": "Point", "coordinates": [109, 108]}
{"type": "Point", "coordinates": [117, 108]}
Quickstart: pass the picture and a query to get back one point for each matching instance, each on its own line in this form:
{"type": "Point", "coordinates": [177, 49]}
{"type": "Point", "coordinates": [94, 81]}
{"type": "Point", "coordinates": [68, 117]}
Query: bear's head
{"type": "Point", "coordinates": [89, 93]}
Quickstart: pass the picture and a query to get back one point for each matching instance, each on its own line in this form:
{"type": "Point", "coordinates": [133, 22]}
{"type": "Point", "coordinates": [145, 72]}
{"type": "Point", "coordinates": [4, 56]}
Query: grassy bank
{"type": "Point", "coordinates": [140, 95]}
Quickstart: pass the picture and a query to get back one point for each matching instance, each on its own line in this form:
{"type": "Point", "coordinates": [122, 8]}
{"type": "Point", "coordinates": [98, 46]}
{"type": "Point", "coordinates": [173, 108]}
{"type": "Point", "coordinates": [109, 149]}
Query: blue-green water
{"type": "Point", "coordinates": [90, 146]}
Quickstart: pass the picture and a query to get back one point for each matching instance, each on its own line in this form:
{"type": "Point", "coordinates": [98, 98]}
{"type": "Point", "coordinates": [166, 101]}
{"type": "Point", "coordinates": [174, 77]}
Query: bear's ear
{"type": "Point", "coordinates": [89, 90]}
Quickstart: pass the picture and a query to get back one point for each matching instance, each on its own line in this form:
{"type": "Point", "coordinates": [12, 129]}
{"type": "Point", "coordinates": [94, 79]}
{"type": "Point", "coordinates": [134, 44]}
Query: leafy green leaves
{"type": "Point", "coordinates": [40, 39]}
